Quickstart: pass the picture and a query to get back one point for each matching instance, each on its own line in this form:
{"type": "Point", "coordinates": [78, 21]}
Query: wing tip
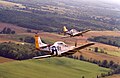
{"type": "Point", "coordinates": [92, 43]}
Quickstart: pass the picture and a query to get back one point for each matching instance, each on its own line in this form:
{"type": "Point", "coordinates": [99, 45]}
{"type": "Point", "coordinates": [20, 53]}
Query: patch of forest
{"type": "Point", "coordinates": [74, 13]}
{"type": "Point", "coordinates": [44, 21]}
{"type": "Point", "coordinates": [110, 40]}
{"type": "Point", "coordinates": [17, 51]}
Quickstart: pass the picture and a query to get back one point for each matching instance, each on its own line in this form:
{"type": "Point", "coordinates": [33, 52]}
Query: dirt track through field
{"type": "Point", "coordinates": [3, 60]}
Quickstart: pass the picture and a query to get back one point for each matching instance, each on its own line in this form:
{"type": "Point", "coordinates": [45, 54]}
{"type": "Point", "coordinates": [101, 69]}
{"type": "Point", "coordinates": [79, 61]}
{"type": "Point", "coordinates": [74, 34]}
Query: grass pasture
{"type": "Point", "coordinates": [50, 68]}
{"type": "Point", "coordinates": [114, 53]}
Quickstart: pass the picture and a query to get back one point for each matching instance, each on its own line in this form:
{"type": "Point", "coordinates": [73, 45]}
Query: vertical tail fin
{"type": "Point", "coordinates": [65, 30]}
{"type": "Point", "coordinates": [38, 43]}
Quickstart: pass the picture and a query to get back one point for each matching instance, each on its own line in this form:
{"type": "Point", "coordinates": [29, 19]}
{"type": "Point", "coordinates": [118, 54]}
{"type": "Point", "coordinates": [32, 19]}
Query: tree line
{"type": "Point", "coordinates": [107, 64]}
{"type": "Point", "coordinates": [18, 51]}
{"type": "Point", "coordinates": [110, 40]}
{"type": "Point", "coordinates": [27, 39]}
{"type": "Point", "coordinates": [47, 21]}
{"type": "Point", "coordinates": [7, 31]}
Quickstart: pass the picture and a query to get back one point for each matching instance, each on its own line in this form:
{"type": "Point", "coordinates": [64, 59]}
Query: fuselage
{"type": "Point", "coordinates": [73, 33]}
{"type": "Point", "coordinates": [58, 48]}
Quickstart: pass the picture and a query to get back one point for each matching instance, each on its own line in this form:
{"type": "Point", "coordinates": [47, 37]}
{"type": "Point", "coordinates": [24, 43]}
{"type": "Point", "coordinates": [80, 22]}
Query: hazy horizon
{"type": "Point", "coordinates": [108, 1]}
{"type": "Point", "coordinates": [113, 1]}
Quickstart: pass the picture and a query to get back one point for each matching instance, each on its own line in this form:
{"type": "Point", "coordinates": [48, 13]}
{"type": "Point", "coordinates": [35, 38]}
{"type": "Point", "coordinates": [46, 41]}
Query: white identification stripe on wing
{"type": "Point", "coordinates": [42, 56]}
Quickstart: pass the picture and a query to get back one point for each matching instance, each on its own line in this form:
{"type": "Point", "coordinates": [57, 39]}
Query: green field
{"type": "Point", "coordinates": [50, 68]}
{"type": "Point", "coordinates": [109, 52]}
{"type": "Point", "coordinates": [114, 53]}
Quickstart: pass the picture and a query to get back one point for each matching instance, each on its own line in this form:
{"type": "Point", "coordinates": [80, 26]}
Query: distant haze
{"type": "Point", "coordinates": [108, 1]}
{"type": "Point", "coordinates": [111, 1]}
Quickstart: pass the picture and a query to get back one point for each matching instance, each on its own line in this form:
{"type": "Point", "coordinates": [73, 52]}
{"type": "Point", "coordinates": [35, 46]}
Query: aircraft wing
{"type": "Point", "coordinates": [81, 47]}
{"type": "Point", "coordinates": [77, 49]}
{"type": "Point", "coordinates": [40, 57]}
{"type": "Point", "coordinates": [86, 31]}
{"type": "Point", "coordinates": [81, 33]}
